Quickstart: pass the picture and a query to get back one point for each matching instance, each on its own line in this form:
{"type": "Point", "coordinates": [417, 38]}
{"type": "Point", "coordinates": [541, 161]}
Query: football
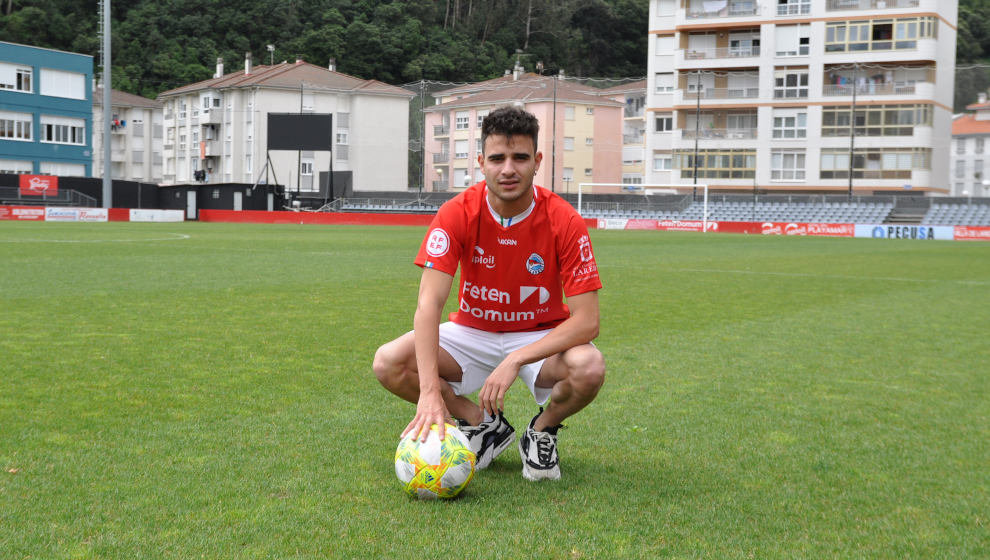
{"type": "Point", "coordinates": [435, 469]}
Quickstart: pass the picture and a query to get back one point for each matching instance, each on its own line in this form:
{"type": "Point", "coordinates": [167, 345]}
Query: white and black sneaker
{"type": "Point", "coordinates": [538, 451]}
{"type": "Point", "coordinates": [488, 439]}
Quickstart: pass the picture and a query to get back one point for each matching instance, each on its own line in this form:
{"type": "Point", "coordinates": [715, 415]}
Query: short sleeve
{"type": "Point", "coordinates": [441, 248]}
{"type": "Point", "coordinates": [578, 269]}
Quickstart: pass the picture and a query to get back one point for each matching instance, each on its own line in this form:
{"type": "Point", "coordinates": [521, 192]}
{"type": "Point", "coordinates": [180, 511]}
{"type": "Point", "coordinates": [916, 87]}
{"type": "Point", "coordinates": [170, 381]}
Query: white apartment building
{"type": "Point", "coordinates": [760, 94]}
{"type": "Point", "coordinates": [220, 126]}
{"type": "Point", "coordinates": [135, 137]}
{"type": "Point", "coordinates": [971, 150]}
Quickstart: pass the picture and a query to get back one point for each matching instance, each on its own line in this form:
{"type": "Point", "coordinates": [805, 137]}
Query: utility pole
{"type": "Point", "coordinates": [852, 128]}
{"type": "Point", "coordinates": [107, 109]}
{"type": "Point", "coordinates": [697, 133]}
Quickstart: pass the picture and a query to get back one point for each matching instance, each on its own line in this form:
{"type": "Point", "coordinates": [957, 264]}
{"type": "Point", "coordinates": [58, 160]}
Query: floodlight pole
{"type": "Point", "coordinates": [107, 109]}
{"type": "Point", "coordinates": [852, 128]}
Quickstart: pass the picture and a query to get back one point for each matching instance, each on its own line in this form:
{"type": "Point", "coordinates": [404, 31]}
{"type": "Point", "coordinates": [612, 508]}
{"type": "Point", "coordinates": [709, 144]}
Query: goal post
{"type": "Point", "coordinates": [655, 188]}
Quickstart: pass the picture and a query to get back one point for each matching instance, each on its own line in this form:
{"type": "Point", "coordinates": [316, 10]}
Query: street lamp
{"type": "Point", "coordinates": [271, 55]}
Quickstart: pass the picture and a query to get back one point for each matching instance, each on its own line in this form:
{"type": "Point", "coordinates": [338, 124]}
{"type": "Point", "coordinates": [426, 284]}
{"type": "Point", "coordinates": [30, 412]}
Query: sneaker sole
{"type": "Point", "coordinates": [494, 452]}
{"type": "Point", "coordinates": [536, 475]}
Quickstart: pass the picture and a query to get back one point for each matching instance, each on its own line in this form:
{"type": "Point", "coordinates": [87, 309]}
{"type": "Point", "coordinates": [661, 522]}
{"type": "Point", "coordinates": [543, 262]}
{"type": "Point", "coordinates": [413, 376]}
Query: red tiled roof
{"type": "Point", "coordinates": [968, 125]}
{"type": "Point", "coordinates": [124, 99]}
{"type": "Point", "coordinates": [289, 75]}
{"type": "Point", "coordinates": [528, 88]}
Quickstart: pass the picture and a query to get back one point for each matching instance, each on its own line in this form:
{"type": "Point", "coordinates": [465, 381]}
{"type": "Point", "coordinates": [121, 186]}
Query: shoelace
{"type": "Point", "coordinates": [545, 444]}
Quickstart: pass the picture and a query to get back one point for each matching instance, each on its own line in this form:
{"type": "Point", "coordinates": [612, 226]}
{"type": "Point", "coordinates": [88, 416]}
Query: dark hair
{"type": "Point", "coordinates": [510, 121]}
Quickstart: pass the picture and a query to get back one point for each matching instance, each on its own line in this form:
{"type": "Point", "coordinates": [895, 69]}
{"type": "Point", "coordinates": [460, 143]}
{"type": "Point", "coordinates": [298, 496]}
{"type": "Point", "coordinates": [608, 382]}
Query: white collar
{"type": "Point", "coordinates": [508, 222]}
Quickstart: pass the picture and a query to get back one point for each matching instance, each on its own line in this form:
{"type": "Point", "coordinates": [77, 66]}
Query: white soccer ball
{"type": "Point", "coordinates": [433, 468]}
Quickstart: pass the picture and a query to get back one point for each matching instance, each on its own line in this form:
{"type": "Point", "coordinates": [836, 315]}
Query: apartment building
{"type": "Point", "coordinates": [633, 96]}
{"type": "Point", "coordinates": [971, 150]}
{"type": "Point", "coordinates": [46, 112]}
{"type": "Point", "coordinates": [135, 137]}
{"type": "Point", "coordinates": [580, 132]}
{"type": "Point", "coordinates": [748, 94]}
{"type": "Point", "coordinates": [220, 126]}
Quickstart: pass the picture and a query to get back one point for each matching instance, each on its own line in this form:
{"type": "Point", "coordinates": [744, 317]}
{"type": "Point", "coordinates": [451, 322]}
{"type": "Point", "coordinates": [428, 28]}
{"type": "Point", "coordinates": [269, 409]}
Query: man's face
{"type": "Point", "coordinates": [509, 164]}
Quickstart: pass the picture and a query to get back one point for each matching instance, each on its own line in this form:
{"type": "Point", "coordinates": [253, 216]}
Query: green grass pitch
{"type": "Point", "coordinates": [205, 391]}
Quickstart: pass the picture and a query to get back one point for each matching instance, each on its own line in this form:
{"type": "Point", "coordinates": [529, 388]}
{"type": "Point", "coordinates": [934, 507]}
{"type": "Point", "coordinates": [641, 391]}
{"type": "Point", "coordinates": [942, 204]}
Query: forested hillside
{"type": "Point", "coordinates": [161, 44]}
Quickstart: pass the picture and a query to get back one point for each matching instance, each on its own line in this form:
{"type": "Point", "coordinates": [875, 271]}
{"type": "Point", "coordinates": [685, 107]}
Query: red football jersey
{"type": "Point", "coordinates": [513, 277]}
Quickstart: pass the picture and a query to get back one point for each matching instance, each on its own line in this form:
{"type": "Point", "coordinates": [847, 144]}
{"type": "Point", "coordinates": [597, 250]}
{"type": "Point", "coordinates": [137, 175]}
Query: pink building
{"type": "Point", "coordinates": [580, 132]}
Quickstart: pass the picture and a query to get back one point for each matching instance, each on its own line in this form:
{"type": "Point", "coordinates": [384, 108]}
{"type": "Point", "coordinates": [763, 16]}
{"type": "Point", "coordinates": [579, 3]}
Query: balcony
{"type": "Point", "coordinates": [442, 157]}
{"type": "Point", "coordinates": [212, 148]}
{"type": "Point", "coordinates": [856, 5]}
{"type": "Point", "coordinates": [707, 9]}
{"type": "Point", "coordinates": [722, 93]}
{"type": "Point", "coordinates": [211, 116]}
{"type": "Point", "coordinates": [441, 185]}
{"type": "Point", "coordinates": [720, 53]}
{"type": "Point", "coordinates": [117, 156]}
{"type": "Point", "coordinates": [926, 89]}
{"type": "Point", "coordinates": [719, 133]}
{"type": "Point", "coordinates": [441, 130]}
{"type": "Point", "coordinates": [633, 138]}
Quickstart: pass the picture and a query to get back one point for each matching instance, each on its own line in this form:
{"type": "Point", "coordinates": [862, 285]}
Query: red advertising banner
{"type": "Point", "coordinates": [800, 228]}
{"type": "Point", "coordinates": [39, 185]}
{"type": "Point", "coordinates": [22, 213]}
{"type": "Point", "coordinates": [972, 233]}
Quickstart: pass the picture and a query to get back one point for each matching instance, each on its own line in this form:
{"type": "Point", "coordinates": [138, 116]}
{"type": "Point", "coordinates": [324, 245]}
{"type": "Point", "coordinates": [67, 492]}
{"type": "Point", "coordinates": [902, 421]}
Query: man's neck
{"type": "Point", "coordinates": [511, 209]}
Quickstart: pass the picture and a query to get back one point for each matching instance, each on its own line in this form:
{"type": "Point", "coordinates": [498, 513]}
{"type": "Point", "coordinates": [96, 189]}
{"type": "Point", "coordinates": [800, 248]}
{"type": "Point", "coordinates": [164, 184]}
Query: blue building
{"type": "Point", "coordinates": [46, 111]}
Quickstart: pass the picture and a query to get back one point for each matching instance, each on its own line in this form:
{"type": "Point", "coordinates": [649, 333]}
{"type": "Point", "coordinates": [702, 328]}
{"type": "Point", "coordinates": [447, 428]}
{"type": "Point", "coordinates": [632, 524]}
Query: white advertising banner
{"type": "Point", "coordinates": [140, 215]}
{"type": "Point", "coordinates": [67, 214]}
{"type": "Point", "coordinates": [894, 231]}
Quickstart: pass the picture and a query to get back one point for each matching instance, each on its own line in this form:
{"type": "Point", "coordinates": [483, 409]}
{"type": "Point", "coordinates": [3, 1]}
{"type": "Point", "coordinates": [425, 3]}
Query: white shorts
{"type": "Point", "coordinates": [479, 352]}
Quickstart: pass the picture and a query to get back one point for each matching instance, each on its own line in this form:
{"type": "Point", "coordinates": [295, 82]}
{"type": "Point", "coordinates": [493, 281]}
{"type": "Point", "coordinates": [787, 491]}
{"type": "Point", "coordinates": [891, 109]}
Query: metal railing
{"type": "Point", "coordinates": [724, 93]}
{"type": "Point", "coordinates": [700, 9]}
{"type": "Point", "coordinates": [841, 5]}
{"type": "Point", "coordinates": [719, 133]}
{"type": "Point", "coordinates": [441, 130]}
{"type": "Point", "coordinates": [442, 157]}
{"type": "Point", "coordinates": [721, 52]}
{"type": "Point", "coordinates": [65, 197]}
{"type": "Point", "coordinates": [890, 88]}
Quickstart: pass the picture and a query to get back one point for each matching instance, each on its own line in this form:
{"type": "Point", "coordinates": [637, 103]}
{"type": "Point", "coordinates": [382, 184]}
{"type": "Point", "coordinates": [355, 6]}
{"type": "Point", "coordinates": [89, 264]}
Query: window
{"type": "Point", "coordinates": [664, 45]}
{"type": "Point", "coordinates": [342, 137]}
{"type": "Point", "coordinates": [63, 130]}
{"type": "Point", "coordinates": [308, 102]}
{"type": "Point", "coordinates": [481, 117]}
{"type": "Point", "coordinates": [569, 113]}
{"type": "Point", "coordinates": [247, 164]}
{"type": "Point", "coordinates": [461, 120]}
{"type": "Point", "coordinates": [787, 165]}
{"type": "Point", "coordinates": [15, 126]}
{"type": "Point", "coordinates": [877, 120]}
{"type": "Point", "coordinates": [960, 168]}
{"type": "Point", "coordinates": [568, 173]}
{"type": "Point", "coordinates": [792, 40]}
{"type": "Point", "coordinates": [478, 145]}
{"type": "Point", "coordinates": [182, 108]}
{"type": "Point", "coordinates": [589, 141]}
{"type": "Point", "coordinates": [62, 169]}
{"type": "Point", "coordinates": [662, 162]}
{"type": "Point", "coordinates": [664, 82]}
{"type": "Point", "coordinates": [16, 166]}
{"type": "Point", "coordinates": [978, 145]}
{"type": "Point", "coordinates": [587, 171]}
{"type": "Point", "coordinates": [460, 149]}
{"type": "Point", "coordinates": [306, 168]}
{"type": "Point", "coordinates": [978, 169]}
{"type": "Point", "coordinates": [589, 110]}
{"type": "Point", "coordinates": [717, 164]}
{"type": "Point", "coordinates": [961, 146]}
{"type": "Point", "coordinates": [790, 84]}
{"type": "Point", "coordinates": [15, 77]}
{"type": "Point", "coordinates": [664, 122]}
{"type": "Point", "coordinates": [875, 163]}
{"type": "Point", "coordinates": [182, 138]}
{"type": "Point", "coordinates": [790, 124]}
{"type": "Point", "coordinates": [879, 34]}
{"type": "Point", "coordinates": [793, 7]}
{"type": "Point", "coordinates": [666, 7]}
{"type": "Point", "coordinates": [568, 142]}
{"type": "Point", "coordinates": [58, 83]}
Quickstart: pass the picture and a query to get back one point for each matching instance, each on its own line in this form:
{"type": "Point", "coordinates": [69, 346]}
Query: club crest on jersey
{"type": "Point", "coordinates": [534, 264]}
{"type": "Point", "coordinates": [437, 243]}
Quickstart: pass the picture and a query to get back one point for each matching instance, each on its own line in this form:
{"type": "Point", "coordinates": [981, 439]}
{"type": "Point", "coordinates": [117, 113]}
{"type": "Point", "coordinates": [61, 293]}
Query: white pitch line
{"type": "Point", "coordinates": [831, 276]}
{"type": "Point", "coordinates": [179, 237]}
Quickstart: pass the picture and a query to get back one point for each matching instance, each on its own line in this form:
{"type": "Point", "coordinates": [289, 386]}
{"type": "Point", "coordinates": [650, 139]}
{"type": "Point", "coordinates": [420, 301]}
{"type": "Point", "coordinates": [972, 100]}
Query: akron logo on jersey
{"type": "Point", "coordinates": [534, 264]}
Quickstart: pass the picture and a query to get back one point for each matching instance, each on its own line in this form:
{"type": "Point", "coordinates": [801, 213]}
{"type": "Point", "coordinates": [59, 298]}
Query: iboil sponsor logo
{"type": "Point", "coordinates": [438, 243]}
{"type": "Point", "coordinates": [480, 258]}
{"type": "Point", "coordinates": [584, 246]}
{"type": "Point", "coordinates": [904, 232]}
{"type": "Point", "coordinates": [526, 291]}
{"type": "Point", "coordinates": [534, 264]}
{"type": "Point", "coordinates": [504, 241]}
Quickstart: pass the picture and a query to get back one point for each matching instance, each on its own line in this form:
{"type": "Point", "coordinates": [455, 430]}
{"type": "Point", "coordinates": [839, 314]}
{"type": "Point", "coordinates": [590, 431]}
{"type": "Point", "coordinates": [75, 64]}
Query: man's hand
{"type": "Point", "coordinates": [492, 394]}
{"type": "Point", "coordinates": [430, 410]}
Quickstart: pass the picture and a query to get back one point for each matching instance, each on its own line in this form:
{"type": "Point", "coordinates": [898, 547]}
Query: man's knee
{"type": "Point", "coordinates": [387, 365]}
{"type": "Point", "coordinates": [587, 369]}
